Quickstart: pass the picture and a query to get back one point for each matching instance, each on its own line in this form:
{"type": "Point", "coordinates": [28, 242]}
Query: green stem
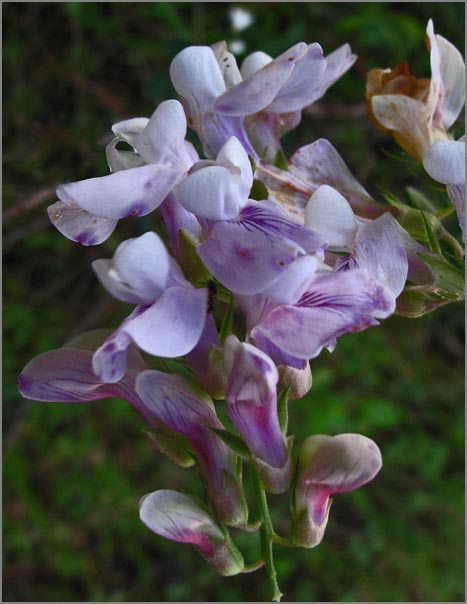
{"type": "Point", "coordinates": [267, 533]}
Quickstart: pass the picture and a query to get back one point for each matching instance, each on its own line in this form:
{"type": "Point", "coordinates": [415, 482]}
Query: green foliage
{"type": "Point", "coordinates": [74, 474]}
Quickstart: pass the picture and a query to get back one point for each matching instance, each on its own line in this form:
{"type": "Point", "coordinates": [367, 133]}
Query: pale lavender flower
{"type": "Point", "coordinates": [181, 518]}
{"type": "Point", "coordinates": [170, 313]}
{"type": "Point", "coordinates": [88, 210]}
{"type": "Point", "coordinates": [191, 413]}
{"type": "Point", "coordinates": [329, 465]}
{"type": "Point", "coordinates": [254, 251]}
{"type": "Point", "coordinates": [251, 397]}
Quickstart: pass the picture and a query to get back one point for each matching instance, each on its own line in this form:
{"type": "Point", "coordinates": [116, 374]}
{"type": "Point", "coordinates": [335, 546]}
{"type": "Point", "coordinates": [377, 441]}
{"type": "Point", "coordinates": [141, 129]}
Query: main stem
{"type": "Point", "coordinates": [266, 533]}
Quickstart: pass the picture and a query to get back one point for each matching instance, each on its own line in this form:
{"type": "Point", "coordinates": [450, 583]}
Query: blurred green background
{"type": "Point", "coordinates": [73, 475]}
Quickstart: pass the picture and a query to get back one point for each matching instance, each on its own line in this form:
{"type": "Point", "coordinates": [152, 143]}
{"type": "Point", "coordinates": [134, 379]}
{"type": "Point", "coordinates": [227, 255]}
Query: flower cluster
{"type": "Point", "coordinates": [260, 268]}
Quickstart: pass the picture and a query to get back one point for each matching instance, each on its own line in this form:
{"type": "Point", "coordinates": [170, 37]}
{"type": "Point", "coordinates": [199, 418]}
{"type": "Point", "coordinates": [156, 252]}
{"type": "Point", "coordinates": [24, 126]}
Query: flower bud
{"type": "Point", "coordinates": [251, 398]}
{"type": "Point", "coordinates": [299, 380]}
{"type": "Point", "coordinates": [179, 517]}
{"type": "Point", "coordinates": [329, 465]}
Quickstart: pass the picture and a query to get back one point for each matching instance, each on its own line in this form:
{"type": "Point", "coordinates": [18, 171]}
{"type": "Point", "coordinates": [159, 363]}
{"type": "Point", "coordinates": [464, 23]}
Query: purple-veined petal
{"type": "Point", "coordinates": [445, 162]}
{"type": "Point", "coordinates": [134, 192]}
{"type": "Point", "coordinates": [303, 85]}
{"type": "Point", "coordinates": [329, 214]}
{"type": "Point", "coordinates": [252, 400]}
{"type": "Point", "coordinates": [66, 375]}
{"type": "Point", "coordinates": [258, 91]}
{"type": "Point", "coordinates": [216, 129]}
{"type": "Point", "coordinates": [163, 139]}
{"type": "Point", "coordinates": [121, 160]}
{"type": "Point", "coordinates": [178, 517]}
{"type": "Point", "coordinates": [294, 281]}
{"type": "Point", "coordinates": [331, 307]}
{"type": "Point", "coordinates": [79, 225]}
{"type": "Point", "coordinates": [320, 164]}
{"type": "Point", "coordinates": [172, 326]}
{"type": "Point", "coordinates": [211, 192]}
{"type": "Point", "coordinates": [380, 250]}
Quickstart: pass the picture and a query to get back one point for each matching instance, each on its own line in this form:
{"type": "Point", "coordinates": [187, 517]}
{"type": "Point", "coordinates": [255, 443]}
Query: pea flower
{"type": "Point", "coordinates": [88, 210]}
{"type": "Point", "coordinates": [329, 465]}
{"type": "Point", "coordinates": [217, 99]}
{"type": "Point", "coordinates": [187, 411]}
{"type": "Point", "coordinates": [170, 313]}
{"type": "Point", "coordinates": [322, 308]}
{"type": "Point", "coordinates": [252, 252]}
{"type": "Point", "coordinates": [181, 518]}
{"type": "Point", "coordinates": [311, 77]}
{"type": "Point", "coordinates": [418, 112]}
{"type": "Point", "coordinates": [251, 397]}
{"type": "Point", "coordinates": [445, 163]}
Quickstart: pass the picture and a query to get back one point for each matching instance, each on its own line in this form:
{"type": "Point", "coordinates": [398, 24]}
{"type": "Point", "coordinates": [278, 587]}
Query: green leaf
{"type": "Point", "coordinates": [449, 279]}
{"type": "Point", "coordinates": [173, 445]}
{"type": "Point", "coordinates": [233, 441]}
{"type": "Point", "coordinates": [432, 241]}
{"type": "Point", "coordinates": [283, 409]}
{"type": "Point", "coordinates": [227, 322]}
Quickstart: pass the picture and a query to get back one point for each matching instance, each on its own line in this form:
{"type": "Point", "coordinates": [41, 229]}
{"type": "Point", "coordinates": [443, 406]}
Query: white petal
{"type": "Point", "coordinates": [452, 70]}
{"type": "Point", "coordinates": [253, 63]}
{"type": "Point", "coordinates": [445, 162]}
{"type": "Point", "coordinates": [330, 214]}
{"type": "Point", "coordinates": [234, 153]}
{"type": "Point", "coordinates": [129, 130]}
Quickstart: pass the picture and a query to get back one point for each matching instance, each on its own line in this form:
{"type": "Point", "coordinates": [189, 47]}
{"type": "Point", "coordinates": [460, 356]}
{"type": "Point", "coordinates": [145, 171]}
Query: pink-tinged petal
{"type": "Point", "coordinates": [445, 162]}
{"type": "Point", "coordinates": [334, 304]}
{"type": "Point", "coordinates": [79, 225]}
{"type": "Point", "coordinates": [330, 214]}
{"type": "Point", "coordinates": [320, 164]}
{"type": "Point", "coordinates": [234, 153]}
{"type": "Point", "coordinates": [303, 86]}
{"type": "Point", "coordinates": [172, 326]}
{"type": "Point", "coordinates": [163, 139]}
{"type": "Point", "coordinates": [329, 465]}
{"type": "Point", "coordinates": [133, 192]}
{"type": "Point", "coordinates": [452, 71]}
{"type": "Point", "coordinates": [179, 517]}
{"type": "Point", "coordinates": [251, 398]}
{"type": "Point", "coordinates": [189, 412]}
{"type": "Point", "coordinates": [380, 250]}
{"type": "Point", "coordinates": [211, 192]}
{"type": "Point", "coordinates": [121, 160]}
{"type": "Point", "coordinates": [258, 91]}
{"type": "Point", "coordinates": [197, 77]}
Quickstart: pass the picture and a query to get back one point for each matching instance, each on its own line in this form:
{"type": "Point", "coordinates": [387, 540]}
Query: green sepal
{"type": "Point", "coordinates": [227, 322]}
{"type": "Point", "coordinates": [280, 160]}
{"type": "Point", "coordinates": [233, 441]}
{"type": "Point", "coordinates": [283, 409]}
{"type": "Point", "coordinates": [259, 191]}
{"type": "Point", "coordinates": [188, 258]}
{"type": "Point", "coordinates": [173, 445]}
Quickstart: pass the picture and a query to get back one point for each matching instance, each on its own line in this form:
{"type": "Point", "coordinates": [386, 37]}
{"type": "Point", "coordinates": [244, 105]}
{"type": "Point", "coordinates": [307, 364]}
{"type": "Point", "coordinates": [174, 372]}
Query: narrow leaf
{"type": "Point", "coordinates": [233, 441]}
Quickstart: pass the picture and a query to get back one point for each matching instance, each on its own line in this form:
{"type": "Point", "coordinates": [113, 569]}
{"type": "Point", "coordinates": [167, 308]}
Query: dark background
{"type": "Point", "coordinates": [73, 475]}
